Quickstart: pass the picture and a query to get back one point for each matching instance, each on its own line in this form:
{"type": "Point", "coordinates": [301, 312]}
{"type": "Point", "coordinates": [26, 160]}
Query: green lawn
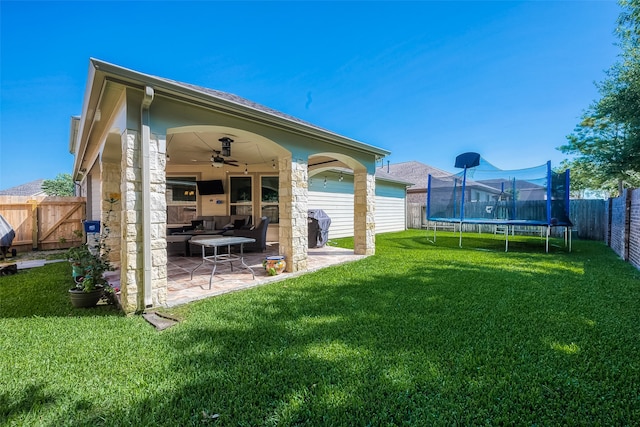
{"type": "Point", "coordinates": [419, 334]}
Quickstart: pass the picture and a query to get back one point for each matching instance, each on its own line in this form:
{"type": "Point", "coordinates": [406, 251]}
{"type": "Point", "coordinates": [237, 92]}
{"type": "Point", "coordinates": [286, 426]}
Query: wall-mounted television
{"type": "Point", "coordinates": [213, 186]}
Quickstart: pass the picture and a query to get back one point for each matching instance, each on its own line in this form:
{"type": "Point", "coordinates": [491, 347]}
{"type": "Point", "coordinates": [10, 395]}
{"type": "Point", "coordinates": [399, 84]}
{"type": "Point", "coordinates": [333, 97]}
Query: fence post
{"type": "Point", "coordinates": [627, 225]}
{"type": "Point", "coordinates": [34, 224]}
{"type": "Point", "coordinates": [609, 222]}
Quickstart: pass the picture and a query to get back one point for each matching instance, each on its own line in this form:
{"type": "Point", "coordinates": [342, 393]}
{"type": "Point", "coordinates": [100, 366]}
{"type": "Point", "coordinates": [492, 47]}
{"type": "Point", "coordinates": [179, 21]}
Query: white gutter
{"type": "Point", "coordinates": [73, 133]}
{"type": "Point", "coordinates": [146, 193]}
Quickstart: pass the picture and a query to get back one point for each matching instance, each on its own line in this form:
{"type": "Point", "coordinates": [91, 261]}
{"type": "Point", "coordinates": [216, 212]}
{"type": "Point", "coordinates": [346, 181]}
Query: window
{"type": "Point", "coordinates": [269, 198]}
{"type": "Point", "coordinates": [181, 189]}
{"type": "Point", "coordinates": [181, 199]}
{"type": "Point", "coordinates": [240, 190]}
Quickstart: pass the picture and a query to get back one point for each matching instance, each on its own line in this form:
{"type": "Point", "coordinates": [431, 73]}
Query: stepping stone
{"type": "Point", "coordinates": [159, 321]}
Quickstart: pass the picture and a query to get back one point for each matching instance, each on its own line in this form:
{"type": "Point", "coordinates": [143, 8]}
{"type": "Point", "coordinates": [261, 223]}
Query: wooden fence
{"type": "Point", "coordinates": [623, 225]}
{"type": "Point", "coordinates": [588, 218]}
{"type": "Point", "coordinates": [44, 223]}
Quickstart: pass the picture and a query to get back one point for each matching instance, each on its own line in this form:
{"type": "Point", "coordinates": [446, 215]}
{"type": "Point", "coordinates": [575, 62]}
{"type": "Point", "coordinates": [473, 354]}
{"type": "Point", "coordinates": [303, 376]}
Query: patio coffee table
{"type": "Point", "coordinates": [217, 242]}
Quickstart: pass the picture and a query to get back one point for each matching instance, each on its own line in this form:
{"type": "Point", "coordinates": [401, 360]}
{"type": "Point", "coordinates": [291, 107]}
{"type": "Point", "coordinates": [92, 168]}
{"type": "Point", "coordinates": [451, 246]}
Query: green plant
{"type": "Point", "coordinates": [89, 266]}
{"type": "Point", "coordinates": [91, 262]}
{"type": "Point", "coordinates": [78, 255]}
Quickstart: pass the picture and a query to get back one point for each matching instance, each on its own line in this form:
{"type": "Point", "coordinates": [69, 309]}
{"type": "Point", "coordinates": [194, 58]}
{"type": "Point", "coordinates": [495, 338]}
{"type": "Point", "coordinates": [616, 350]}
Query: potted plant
{"type": "Point", "coordinates": [78, 257]}
{"type": "Point", "coordinates": [88, 274]}
{"type": "Point", "coordinates": [89, 265]}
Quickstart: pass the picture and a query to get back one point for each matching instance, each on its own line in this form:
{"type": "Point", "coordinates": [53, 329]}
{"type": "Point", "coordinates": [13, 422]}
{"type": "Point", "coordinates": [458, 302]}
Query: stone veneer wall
{"type": "Point", "coordinates": [294, 195]}
{"type": "Point", "coordinates": [364, 188]}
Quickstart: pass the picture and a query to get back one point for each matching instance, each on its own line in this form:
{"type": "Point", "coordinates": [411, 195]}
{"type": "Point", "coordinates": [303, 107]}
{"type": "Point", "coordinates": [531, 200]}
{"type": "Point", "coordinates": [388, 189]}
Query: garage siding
{"type": "Point", "coordinates": [339, 207]}
{"type": "Point", "coordinates": [390, 212]}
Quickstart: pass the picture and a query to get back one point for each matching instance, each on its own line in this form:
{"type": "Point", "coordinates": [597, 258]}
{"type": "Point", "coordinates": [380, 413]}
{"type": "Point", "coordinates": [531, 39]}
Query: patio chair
{"type": "Point", "coordinates": [259, 233]}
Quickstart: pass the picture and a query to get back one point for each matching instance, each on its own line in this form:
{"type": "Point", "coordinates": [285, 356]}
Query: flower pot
{"type": "Point", "coordinates": [82, 299]}
{"type": "Point", "coordinates": [274, 265]}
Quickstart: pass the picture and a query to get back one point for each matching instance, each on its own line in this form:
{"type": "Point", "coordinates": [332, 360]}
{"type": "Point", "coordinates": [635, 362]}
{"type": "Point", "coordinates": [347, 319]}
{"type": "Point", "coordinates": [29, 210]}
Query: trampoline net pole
{"type": "Point", "coordinates": [506, 239]}
{"type": "Point", "coordinates": [547, 241]}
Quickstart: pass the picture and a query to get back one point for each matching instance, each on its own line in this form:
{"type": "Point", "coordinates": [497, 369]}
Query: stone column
{"type": "Point", "coordinates": [133, 244]}
{"type": "Point", "coordinates": [294, 194]}
{"type": "Point", "coordinates": [111, 210]}
{"type": "Point", "coordinates": [158, 163]}
{"type": "Point", "coordinates": [364, 231]}
{"type": "Point", "coordinates": [131, 262]}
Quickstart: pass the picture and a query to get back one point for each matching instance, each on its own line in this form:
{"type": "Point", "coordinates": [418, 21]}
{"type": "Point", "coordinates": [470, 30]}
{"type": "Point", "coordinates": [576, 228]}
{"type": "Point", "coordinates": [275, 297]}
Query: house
{"type": "Point", "coordinates": [143, 143]}
{"type": "Point", "coordinates": [415, 173]}
{"type": "Point", "coordinates": [32, 189]}
{"type": "Point", "coordinates": [418, 174]}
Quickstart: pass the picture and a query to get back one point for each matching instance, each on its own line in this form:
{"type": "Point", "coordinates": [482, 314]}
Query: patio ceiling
{"type": "Point", "coordinates": [196, 148]}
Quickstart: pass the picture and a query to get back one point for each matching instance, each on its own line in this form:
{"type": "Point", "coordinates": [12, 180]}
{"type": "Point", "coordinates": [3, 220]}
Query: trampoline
{"type": "Point", "coordinates": [483, 194]}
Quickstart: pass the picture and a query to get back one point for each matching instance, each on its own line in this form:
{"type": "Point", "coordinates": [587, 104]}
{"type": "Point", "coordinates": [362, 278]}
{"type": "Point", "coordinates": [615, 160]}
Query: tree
{"type": "Point", "coordinates": [607, 140]}
{"type": "Point", "coordinates": [61, 185]}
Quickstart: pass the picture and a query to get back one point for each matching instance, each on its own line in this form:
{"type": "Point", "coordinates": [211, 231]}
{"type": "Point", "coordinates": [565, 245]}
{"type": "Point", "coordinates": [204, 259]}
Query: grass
{"type": "Point", "coordinates": [419, 334]}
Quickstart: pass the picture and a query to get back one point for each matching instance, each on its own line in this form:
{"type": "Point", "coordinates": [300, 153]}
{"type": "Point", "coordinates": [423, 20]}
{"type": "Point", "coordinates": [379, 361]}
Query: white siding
{"type": "Point", "coordinates": [91, 189]}
{"type": "Point", "coordinates": [96, 198]}
{"type": "Point", "coordinates": [390, 214]}
{"type": "Point", "coordinates": [339, 207]}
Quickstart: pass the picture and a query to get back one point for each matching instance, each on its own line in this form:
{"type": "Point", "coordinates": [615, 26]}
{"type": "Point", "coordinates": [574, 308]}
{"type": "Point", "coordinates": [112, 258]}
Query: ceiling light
{"type": "Point", "coordinates": [246, 169]}
{"type": "Point", "coordinates": [216, 160]}
{"type": "Point", "coordinates": [226, 146]}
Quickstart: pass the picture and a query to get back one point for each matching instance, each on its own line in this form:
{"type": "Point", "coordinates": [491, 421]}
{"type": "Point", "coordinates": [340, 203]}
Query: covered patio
{"type": "Point", "coordinates": [181, 289]}
{"type": "Point", "coordinates": [149, 149]}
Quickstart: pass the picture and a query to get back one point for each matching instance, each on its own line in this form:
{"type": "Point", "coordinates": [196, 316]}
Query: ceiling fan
{"type": "Point", "coordinates": [226, 146]}
{"type": "Point", "coordinates": [218, 161]}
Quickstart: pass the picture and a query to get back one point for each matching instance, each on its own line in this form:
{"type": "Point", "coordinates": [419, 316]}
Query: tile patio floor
{"type": "Point", "coordinates": [181, 289]}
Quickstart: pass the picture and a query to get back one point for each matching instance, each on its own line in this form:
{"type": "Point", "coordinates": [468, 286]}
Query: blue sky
{"type": "Point", "coordinates": [425, 80]}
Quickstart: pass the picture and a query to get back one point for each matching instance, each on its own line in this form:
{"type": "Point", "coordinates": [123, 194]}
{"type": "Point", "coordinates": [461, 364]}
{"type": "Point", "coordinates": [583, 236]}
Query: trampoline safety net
{"type": "Point", "coordinates": [488, 195]}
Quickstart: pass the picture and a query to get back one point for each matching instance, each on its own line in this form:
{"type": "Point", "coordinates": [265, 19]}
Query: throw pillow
{"type": "Point", "coordinates": [238, 224]}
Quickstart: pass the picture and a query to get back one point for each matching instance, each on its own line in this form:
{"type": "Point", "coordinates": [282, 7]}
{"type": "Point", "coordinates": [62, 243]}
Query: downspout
{"type": "Point", "coordinates": [146, 193]}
